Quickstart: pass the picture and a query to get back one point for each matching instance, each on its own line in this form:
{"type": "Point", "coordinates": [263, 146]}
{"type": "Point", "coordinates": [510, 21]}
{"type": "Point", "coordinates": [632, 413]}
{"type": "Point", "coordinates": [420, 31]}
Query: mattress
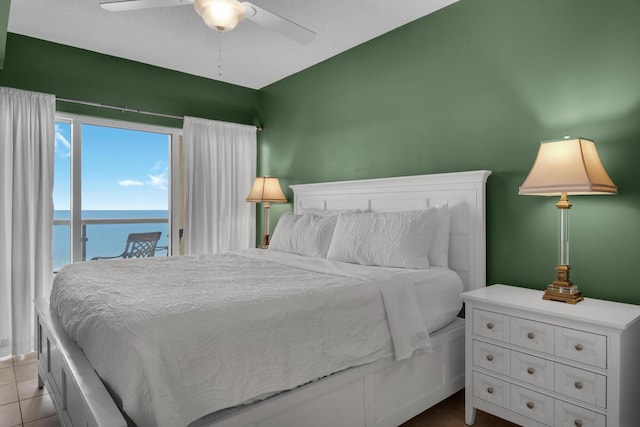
{"type": "Point", "coordinates": [177, 338]}
{"type": "Point", "coordinates": [437, 289]}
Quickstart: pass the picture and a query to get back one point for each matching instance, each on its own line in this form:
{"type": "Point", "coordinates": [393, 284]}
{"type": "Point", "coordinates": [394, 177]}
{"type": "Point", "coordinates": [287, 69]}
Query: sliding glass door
{"type": "Point", "coordinates": [111, 179]}
{"type": "Point", "coordinates": [62, 195]}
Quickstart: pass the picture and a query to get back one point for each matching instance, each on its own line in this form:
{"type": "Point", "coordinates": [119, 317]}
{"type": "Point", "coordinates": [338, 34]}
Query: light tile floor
{"type": "Point", "coordinates": [22, 403]}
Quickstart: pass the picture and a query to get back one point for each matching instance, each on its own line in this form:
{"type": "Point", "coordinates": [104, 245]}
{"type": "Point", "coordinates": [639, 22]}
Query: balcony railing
{"type": "Point", "coordinates": [84, 238]}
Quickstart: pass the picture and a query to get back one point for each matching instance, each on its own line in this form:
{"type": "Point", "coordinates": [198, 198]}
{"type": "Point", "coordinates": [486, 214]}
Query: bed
{"type": "Point", "coordinates": [380, 391]}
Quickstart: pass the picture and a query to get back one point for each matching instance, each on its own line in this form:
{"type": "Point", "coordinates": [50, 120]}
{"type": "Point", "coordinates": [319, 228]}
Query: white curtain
{"type": "Point", "coordinates": [219, 170]}
{"type": "Point", "coordinates": [27, 124]}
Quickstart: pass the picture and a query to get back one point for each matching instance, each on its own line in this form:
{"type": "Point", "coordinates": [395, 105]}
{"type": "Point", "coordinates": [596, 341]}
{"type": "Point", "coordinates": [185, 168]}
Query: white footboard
{"type": "Point", "coordinates": [381, 394]}
{"type": "Point", "coordinates": [78, 394]}
{"type": "Point", "coordinates": [385, 393]}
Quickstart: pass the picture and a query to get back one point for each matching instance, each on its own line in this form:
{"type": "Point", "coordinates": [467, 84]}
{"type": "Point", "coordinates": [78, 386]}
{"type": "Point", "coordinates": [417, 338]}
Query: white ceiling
{"type": "Point", "coordinates": [176, 38]}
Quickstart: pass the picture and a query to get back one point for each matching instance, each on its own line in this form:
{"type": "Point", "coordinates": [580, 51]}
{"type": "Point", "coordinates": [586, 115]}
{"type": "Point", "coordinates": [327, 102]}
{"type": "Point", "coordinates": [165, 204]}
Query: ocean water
{"type": "Point", "coordinates": [105, 239]}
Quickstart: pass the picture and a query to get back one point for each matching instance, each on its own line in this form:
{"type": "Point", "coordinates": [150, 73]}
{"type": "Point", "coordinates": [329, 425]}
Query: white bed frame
{"type": "Point", "coordinates": [385, 393]}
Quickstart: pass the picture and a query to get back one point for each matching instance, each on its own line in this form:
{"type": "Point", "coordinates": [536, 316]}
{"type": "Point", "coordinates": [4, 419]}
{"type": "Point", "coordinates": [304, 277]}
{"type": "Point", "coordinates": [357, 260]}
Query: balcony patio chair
{"type": "Point", "coordinates": [139, 245]}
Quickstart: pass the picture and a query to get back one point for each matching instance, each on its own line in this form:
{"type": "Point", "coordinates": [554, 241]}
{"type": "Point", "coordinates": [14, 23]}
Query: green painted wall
{"type": "Point", "coordinates": [478, 85]}
{"type": "Point", "coordinates": [4, 22]}
{"type": "Point", "coordinates": [73, 73]}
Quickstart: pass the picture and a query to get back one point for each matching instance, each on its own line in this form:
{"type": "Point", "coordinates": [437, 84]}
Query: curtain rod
{"type": "Point", "coordinates": [126, 110]}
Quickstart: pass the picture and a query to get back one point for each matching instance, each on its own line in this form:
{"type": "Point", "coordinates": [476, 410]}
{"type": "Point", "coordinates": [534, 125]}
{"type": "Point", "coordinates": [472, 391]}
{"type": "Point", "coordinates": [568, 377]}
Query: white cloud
{"type": "Point", "coordinates": [130, 183]}
{"type": "Point", "coordinates": [159, 181]}
{"type": "Point", "coordinates": [62, 144]}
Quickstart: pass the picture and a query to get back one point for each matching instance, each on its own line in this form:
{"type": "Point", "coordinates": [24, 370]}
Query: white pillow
{"type": "Point", "coordinates": [388, 239]}
{"type": "Point", "coordinates": [307, 234]}
{"type": "Point", "coordinates": [439, 249]}
{"type": "Point", "coordinates": [327, 212]}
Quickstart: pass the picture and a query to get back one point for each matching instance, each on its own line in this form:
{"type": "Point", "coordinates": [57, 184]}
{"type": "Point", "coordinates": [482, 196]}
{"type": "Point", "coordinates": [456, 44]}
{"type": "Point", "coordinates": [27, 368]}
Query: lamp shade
{"type": "Point", "coordinates": [570, 166]}
{"type": "Point", "coordinates": [221, 15]}
{"type": "Point", "coordinates": [266, 189]}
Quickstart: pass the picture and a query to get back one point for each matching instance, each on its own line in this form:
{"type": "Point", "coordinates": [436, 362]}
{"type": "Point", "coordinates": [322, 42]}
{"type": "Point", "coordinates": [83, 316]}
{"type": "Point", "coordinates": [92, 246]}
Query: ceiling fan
{"type": "Point", "coordinates": [223, 15]}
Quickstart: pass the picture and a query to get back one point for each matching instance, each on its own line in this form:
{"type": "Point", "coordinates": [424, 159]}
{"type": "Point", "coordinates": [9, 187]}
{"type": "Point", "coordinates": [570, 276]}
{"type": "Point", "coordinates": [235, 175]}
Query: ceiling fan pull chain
{"type": "Point", "coordinates": [219, 53]}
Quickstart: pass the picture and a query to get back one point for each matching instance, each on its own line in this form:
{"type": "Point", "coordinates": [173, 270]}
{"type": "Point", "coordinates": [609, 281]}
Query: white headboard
{"type": "Point", "coordinates": [464, 192]}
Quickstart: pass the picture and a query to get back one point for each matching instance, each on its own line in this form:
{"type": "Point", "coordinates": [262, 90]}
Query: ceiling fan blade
{"type": "Point", "coordinates": [124, 6]}
{"type": "Point", "coordinates": [279, 24]}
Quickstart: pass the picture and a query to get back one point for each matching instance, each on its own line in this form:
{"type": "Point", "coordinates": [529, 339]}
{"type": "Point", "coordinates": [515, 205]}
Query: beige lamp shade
{"type": "Point", "coordinates": [266, 189]}
{"type": "Point", "coordinates": [569, 166]}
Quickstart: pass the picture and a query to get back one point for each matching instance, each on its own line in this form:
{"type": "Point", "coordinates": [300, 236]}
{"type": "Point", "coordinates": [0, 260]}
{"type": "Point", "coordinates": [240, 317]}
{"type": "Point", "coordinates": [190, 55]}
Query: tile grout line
{"type": "Point", "coordinates": [20, 400]}
{"type": "Point", "coordinates": [16, 383]}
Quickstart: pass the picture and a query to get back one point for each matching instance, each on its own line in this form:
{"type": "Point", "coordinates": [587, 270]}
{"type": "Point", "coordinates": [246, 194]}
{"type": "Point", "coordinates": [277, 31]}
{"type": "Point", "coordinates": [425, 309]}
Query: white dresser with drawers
{"type": "Point", "coordinates": [545, 363]}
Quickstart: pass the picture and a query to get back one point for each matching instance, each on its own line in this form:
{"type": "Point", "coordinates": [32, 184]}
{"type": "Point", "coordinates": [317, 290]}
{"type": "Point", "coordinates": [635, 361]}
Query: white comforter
{"type": "Point", "coordinates": [178, 338]}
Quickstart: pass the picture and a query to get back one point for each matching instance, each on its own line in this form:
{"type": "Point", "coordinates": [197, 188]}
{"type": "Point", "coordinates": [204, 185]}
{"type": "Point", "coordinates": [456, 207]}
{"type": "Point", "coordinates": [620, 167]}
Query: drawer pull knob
{"type": "Point", "coordinates": [530, 405]}
{"type": "Point", "coordinates": [490, 357]}
{"type": "Point", "coordinates": [578, 385]}
{"type": "Point", "coordinates": [489, 325]}
{"type": "Point", "coordinates": [490, 390]}
{"type": "Point", "coordinates": [531, 335]}
{"type": "Point", "coordinates": [578, 347]}
{"type": "Point", "coordinates": [531, 371]}
{"type": "Point", "coordinates": [577, 423]}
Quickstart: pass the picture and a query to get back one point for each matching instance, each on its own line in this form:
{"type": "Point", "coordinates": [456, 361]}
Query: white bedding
{"type": "Point", "coordinates": [177, 338]}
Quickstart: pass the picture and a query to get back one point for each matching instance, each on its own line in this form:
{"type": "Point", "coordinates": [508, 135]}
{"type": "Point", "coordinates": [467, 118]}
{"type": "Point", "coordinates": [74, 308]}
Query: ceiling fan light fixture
{"type": "Point", "coordinates": [221, 15]}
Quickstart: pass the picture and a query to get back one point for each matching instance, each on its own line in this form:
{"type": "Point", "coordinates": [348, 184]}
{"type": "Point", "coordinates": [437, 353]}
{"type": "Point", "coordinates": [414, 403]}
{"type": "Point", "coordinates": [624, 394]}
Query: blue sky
{"type": "Point", "coordinates": [121, 169]}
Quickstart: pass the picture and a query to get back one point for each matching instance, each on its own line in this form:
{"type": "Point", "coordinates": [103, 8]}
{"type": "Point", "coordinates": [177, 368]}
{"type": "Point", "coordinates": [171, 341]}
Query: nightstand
{"type": "Point", "coordinates": [544, 363]}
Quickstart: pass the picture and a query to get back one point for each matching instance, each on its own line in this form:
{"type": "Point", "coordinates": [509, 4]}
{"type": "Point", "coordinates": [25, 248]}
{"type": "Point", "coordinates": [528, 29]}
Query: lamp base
{"type": "Point", "coordinates": [265, 242]}
{"type": "Point", "coordinates": [562, 289]}
{"type": "Point", "coordinates": [570, 297]}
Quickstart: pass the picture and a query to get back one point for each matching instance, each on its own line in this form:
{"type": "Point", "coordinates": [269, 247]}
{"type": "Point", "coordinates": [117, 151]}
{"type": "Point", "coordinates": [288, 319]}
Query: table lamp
{"type": "Point", "coordinates": [564, 167]}
{"type": "Point", "coordinates": [266, 189]}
